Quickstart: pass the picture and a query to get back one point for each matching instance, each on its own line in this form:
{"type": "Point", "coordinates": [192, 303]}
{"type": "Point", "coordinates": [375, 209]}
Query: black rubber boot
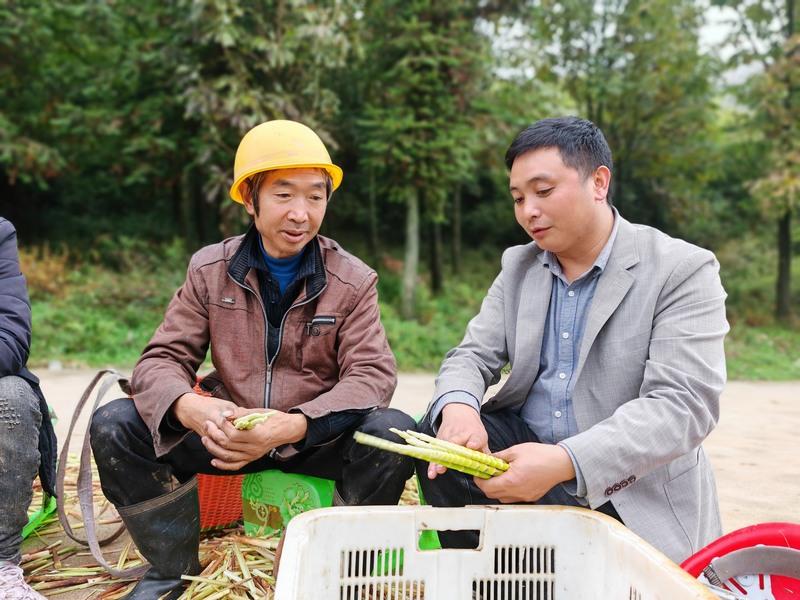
{"type": "Point", "coordinates": [166, 530]}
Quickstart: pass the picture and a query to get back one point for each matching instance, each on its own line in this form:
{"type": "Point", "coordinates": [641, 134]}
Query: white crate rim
{"type": "Point", "coordinates": [302, 563]}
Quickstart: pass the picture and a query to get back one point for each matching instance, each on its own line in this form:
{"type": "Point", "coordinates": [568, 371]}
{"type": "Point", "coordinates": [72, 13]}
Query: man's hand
{"type": "Point", "coordinates": [462, 425]}
{"type": "Point", "coordinates": [194, 411]}
{"type": "Point", "coordinates": [534, 469]}
{"type": "Point", "coordinates": [233, 448]}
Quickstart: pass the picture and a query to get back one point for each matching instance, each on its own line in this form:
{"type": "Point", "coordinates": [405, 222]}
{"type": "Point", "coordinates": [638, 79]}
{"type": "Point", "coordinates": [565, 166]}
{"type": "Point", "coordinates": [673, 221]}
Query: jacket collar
{"type": "Point", "coordinates": [624, 253]}
{"type": "Point", "coordinates": [249, 254]}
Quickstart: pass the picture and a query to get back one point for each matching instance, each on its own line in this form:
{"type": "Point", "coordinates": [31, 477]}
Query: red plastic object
{"type": "Point", "coordinates": [785, 535]}
{"type": "Point", "coordinates": [220, 500]}
{"type": "Point", "coordinates": [220, 495]}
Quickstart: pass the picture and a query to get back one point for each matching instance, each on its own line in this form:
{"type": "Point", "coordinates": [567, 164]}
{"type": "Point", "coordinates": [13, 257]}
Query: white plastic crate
{"type": "Point", "coordinates": [524, 553]}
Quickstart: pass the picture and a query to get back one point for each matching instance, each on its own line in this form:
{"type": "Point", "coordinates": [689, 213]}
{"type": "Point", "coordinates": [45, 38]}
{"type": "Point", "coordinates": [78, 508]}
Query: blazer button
{"type": "Point", "coordinates": [617, 487]}
{"type": "Point", "coordinates": [609, 491]}
{"type": "Point", "coordinates": [632, 478]}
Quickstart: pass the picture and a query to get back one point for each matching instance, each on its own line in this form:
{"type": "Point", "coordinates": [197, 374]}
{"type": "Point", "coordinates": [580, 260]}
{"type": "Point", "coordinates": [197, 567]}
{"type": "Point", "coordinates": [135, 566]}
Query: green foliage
{"type": "Point", "coordinates": [119, 122]}
{"type": "Point", "coordinates": [25, 152]}
{"type": "Point", "coordinates": [104, 313]}
{"type": "Point", "coordinates": [758, 31]}
{"type": "Point", "coordinates": [768, 35]}
{"type": "Point", "coordinates": [116, 107]}
{"type": "Point", "coordinates": [421, 344]}
{"type": "Point", "coordinates": [245, 63]}
{"type": "Point", "coordinates": [747, 267]}
{"type": "Point", "coordinates": [635, 69]}
{"type": "Point", "coordinates": [423, 63]}
{"type": "Point", "coordinates": [779, 104]}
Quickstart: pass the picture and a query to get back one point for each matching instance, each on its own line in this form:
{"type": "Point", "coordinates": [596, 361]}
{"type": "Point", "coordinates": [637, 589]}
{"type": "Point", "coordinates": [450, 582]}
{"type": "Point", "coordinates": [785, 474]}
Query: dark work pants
{"type": "Point", "coordinates": [505, 429]}
{"type": "Point", "coordinates": [130, 472]}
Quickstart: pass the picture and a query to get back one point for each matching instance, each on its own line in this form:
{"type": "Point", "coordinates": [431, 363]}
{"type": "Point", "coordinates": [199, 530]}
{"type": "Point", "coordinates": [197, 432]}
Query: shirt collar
{"type": "Point", "coordinates": [309, 265]}
{"type": "Point", "coordinates": [549, 260]}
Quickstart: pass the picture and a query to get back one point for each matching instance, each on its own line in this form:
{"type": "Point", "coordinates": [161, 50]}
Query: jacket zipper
{"type": "Point", "coordinates": [280, 338]}
{"type": "Point", "coordinates": [266, 332]}
{"type": "Point", "coordinates": [268, 383]}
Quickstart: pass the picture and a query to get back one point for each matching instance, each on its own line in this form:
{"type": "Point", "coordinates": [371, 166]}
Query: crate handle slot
{"type": "Point", "coordinates": [429, 539]}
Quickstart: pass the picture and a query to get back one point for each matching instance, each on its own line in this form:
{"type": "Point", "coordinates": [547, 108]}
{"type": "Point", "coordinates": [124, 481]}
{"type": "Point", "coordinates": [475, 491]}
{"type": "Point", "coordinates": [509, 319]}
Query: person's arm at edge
{"type": "Point", "coordinates": [15, 309]}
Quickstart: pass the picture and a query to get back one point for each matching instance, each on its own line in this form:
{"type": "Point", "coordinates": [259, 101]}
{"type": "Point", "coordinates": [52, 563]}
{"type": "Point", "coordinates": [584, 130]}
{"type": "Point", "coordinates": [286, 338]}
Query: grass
{"type": "Point", "coordinates": [100, 313]}
{"type": "Point", "coordinates": [97, 313]}
{"type": "Point", "coordinates": [767, 353]}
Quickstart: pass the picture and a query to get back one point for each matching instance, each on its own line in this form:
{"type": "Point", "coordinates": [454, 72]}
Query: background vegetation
{"type": "Point", "coordinates": [119, 122]}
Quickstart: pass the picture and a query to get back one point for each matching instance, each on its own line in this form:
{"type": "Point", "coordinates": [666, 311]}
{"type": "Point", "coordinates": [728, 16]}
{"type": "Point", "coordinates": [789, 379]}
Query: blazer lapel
{"type": "Point", "coordinates": [534, 301]}
{"type": "Point", "coordinates": [613, 286]}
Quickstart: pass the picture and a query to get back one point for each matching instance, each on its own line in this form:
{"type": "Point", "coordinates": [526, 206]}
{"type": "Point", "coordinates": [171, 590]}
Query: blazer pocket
{"type": "Point", "coordinates": [683, 492]}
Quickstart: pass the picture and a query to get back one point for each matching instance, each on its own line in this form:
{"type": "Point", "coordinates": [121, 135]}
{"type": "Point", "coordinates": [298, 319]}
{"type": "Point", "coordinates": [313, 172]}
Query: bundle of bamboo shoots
{"type": "Point", "coordinates": [247, 422]}
{"type": "Point", "coordinates": [447, 454]}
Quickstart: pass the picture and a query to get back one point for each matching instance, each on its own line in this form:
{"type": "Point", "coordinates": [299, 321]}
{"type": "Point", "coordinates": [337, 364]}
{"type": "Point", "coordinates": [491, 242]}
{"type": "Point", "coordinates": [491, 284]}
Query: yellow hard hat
{"type": "Point", "coordinates": [280, 145]}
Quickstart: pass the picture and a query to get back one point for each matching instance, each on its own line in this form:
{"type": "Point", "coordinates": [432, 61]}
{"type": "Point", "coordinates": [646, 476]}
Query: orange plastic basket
{"type": "Point", "coordinates": [220, 500]}
{"type": "Point", "coordinates": [220, 495]}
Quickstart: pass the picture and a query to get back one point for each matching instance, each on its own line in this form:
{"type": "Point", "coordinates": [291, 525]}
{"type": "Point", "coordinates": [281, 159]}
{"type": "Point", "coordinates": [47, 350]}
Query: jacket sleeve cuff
{"type": "Point", "coordinates": [575, 487]}
{"type": "Point", "coordinates": [326, 428]}
{"type": "Point", "coordinates": [454, 397]}
{"type": "Point", "coordinates": [171, 424]}
{"type": "Point", "coordinates": [318, 431]}
{"type": "Point", "coordinates": [165, 435]}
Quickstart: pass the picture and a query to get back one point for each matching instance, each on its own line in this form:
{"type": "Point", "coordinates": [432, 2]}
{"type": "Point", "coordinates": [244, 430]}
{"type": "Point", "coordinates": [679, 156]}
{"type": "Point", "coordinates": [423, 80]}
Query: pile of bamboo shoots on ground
{"type": "Point", "coordinates": [62, 566]}
{"type": "Point", "coordinates": [234, 566]}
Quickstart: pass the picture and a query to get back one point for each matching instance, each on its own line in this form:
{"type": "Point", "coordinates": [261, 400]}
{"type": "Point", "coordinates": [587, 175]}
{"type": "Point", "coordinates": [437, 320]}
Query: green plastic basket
{"type": "Point", "coordinates": [271, 498]}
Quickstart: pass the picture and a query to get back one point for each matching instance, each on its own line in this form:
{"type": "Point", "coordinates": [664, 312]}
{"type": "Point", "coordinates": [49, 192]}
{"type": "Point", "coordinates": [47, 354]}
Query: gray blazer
{"type": "Point", "coordinates": [650, 371]}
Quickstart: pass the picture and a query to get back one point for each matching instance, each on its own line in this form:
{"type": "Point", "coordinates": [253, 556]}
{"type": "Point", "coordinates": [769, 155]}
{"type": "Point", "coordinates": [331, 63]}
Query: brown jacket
{"type": "Point", "coordinates": [333, 352]}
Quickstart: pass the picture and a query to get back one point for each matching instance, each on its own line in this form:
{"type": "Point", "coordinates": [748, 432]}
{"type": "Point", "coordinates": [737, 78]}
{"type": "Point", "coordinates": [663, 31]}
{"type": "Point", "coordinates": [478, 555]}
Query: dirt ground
{"type": "Point", "coordinates": [755, 449]}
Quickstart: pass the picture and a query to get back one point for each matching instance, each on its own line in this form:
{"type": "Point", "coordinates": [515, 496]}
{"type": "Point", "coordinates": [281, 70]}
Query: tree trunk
{"type": "Point", "coordinates": [456, 248]}
{"type": "Point", "coordinates": [783, 289]}
{"type": "Point", "coordinates": [783, 286]}
{"type": "Point", "coordinates": [411, 256]}
{"type": "Point", "coordinates": [437, 271]}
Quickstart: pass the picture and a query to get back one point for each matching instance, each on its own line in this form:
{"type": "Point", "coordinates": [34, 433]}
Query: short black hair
{"type": "Point", "coordinates": [582, 145]}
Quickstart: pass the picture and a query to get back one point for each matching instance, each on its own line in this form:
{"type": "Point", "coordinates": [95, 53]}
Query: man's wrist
{"type": "Point", "coordinates": [176, 409]}
{"type": "Point", "coordinates": [299, 427]}
{"type": "Point", "coordinates": [566, 468]}
{"type": "Point", "coordinates": [181, 406]}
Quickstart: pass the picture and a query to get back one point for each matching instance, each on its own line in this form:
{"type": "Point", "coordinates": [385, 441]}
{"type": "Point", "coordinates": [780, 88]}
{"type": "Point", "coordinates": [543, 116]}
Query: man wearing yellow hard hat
{"type": "Point", "coordinates": [293, 326]}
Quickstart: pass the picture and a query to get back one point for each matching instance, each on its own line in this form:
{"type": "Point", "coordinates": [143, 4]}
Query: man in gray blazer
{"type": "Point", "coordinates": [614, 334]}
